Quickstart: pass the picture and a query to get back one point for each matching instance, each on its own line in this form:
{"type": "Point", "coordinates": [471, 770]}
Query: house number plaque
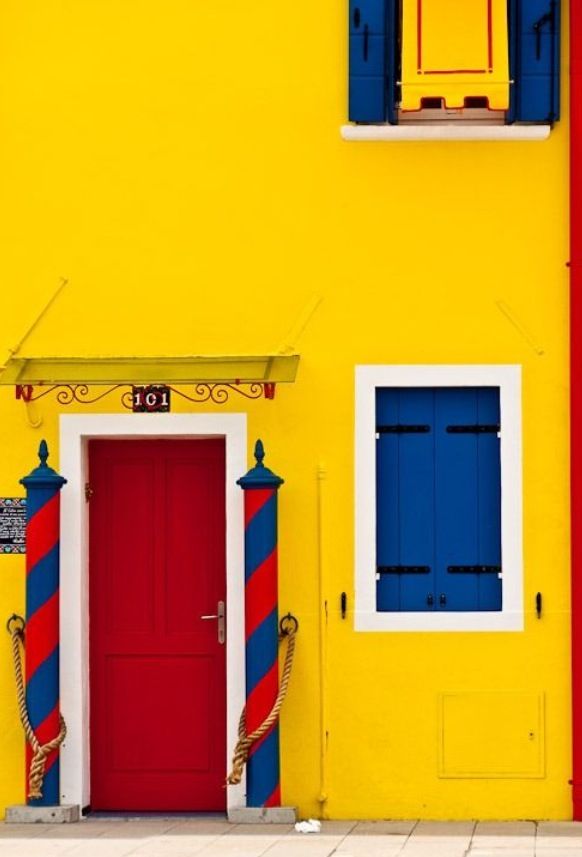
{"type": "Point", "coordinates": [151, 399]}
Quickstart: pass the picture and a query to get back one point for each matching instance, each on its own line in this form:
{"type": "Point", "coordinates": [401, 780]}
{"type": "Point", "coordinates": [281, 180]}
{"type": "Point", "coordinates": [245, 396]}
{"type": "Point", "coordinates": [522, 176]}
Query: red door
{"type": "Point", "coordinates": [158, 670]}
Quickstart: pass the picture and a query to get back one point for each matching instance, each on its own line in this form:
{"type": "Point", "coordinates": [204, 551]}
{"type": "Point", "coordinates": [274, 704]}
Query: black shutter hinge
{"type": "Point", "coordinates": [88, 491]}
{"type": "Point", "coordinates": [474, 569]}
{"type": "Point", "coordinates": [402, 429]}
{"type": "Point", "coordinates": [403, 569]}
{"type": "Point", "coordinates": [492, 428]}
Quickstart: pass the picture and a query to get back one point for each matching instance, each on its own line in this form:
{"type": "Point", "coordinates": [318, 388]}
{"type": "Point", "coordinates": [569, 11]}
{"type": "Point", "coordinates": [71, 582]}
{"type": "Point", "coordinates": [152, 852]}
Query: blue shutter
{"type": "Point", "coordinates": [456, 481]}
{"type": "Point", "coordinates": [468, 499]}
{"type": "Point", "coordinates": [489, 493]}
{"type": "Point", "coordinates": [405, 505]}
{"type": "Point", "coordinates": [438, 499]}
{"type": "Point", "coordinates": [534, 60]}
{"type": "Point", "coordinates": [373, 27]}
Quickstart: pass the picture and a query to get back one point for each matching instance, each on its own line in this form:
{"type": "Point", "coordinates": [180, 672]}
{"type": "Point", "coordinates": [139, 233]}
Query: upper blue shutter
{"type": "Point", "coordinates": [438, 484]}
{"type": "Point", "coordinates": [534, 60]}
{"type": "Point", "coordinates": [373, 60]}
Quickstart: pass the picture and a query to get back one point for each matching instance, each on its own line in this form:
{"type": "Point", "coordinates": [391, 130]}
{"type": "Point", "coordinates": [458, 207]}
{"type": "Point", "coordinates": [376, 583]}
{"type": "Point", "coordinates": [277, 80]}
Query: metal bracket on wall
{"type": "Point", "coordinates": [82, 394]}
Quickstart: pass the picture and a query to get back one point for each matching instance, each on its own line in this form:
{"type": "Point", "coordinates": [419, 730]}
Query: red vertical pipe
{"type": "Point", "coordinates": [576, 389]}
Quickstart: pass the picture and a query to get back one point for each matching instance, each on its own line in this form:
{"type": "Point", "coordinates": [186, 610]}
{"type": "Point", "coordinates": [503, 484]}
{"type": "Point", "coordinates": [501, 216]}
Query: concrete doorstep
{"type": "Point", "coordinates": [263, 815]}
{"type": "Point", "coordinates": [23, 814]}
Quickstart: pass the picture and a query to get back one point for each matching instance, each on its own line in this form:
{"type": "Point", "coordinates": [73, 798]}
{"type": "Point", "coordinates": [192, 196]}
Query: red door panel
{"type": "Point", "coordinates": [158, 671]}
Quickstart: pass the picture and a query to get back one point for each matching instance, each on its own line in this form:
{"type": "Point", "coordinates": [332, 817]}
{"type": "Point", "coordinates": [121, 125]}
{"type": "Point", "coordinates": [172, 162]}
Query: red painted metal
{"type": "Point", "coordinates": [576, 389]}
{"type": "Point", "coordinates": [158, 671]}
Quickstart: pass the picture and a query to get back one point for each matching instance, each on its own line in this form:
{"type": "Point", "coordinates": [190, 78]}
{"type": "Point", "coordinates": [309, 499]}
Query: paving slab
{"type": "Point", "coordinates": [384, 828]}
{"type": "Point", "coordinates": [199, 827]}
{"type": "Point", "coordinates": [16, 831]}
{"type": "Point", "coordinates": [260, 829]}
{"type": "Point", "coordinates": [316, 847]}
{"type": "Point", "coordinates": [132, 830]}
{"type": "Point", "coordinates": [370, 846]}
{"type": "Point", "coordinates": [505, 828]}
{"type": "Point", "coordinates": [559, 828]}
{"type": "Point", "coordinates": [100, 848]}
{"type": "Point", "coordinates": [502, 852]}
{"type": "Point", "coordinates": [239, 846]}
{"type": "Point", "coordinates": [444, 828]}
{"type": "Point", "coordinates": [170, 846]}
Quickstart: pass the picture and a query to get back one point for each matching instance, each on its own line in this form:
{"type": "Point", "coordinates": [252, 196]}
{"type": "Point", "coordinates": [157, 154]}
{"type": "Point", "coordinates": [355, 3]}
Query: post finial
{"type": "Point", "coordinates": [259, 476]}
{"type": "Point", "coordinates": [43, 475]}
{"type": "Point", "coordinates": [259, 453]}
{"type": "Point", "coordinates": [43, 453]}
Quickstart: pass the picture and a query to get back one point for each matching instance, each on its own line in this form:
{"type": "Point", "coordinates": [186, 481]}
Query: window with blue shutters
{"type": "Point", "coordinates": [399, 52]}
{"type": "Point", "coordinates": [438, 496]}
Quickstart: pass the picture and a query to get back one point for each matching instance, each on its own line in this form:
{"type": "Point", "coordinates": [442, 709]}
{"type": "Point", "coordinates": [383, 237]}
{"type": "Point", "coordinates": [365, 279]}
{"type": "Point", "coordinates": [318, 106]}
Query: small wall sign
{"type": "Point", "coordinates": [151, 399]}
{"type": "Point", "coordinates": [12, 525]}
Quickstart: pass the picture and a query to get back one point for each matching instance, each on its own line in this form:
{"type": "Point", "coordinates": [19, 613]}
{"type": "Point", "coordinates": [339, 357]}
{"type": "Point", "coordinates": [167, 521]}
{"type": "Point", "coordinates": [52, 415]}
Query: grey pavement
{"type": "Point", "coordinates": [214, 837]}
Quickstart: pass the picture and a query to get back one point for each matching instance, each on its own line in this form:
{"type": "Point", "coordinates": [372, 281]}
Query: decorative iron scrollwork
{"type": "Point", "coordinates": [81, 394]}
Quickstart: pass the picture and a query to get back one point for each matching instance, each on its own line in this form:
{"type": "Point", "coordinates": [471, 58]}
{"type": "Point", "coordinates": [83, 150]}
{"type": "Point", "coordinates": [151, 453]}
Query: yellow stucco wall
{"type": "Point", "coordinates": [181, 164]}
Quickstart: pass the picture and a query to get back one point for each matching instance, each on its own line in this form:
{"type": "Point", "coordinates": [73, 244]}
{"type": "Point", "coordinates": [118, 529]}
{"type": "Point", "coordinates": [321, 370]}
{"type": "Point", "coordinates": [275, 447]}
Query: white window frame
{"type": "Point", "coordinates": [508, 379]}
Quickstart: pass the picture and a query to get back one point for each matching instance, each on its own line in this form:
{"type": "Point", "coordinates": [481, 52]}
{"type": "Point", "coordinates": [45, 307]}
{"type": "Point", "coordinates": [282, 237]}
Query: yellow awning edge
{"type": "Point", "coordinates": [271, 368]}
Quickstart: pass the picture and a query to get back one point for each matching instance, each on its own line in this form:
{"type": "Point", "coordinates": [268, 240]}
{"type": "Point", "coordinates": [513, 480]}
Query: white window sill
{"type": "Point", "coordinates": [400, 133]}
{"type": "Point", "coordinates": [431, 621]}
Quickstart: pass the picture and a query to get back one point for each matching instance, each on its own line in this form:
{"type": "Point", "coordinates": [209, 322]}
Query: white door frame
{"type": "Point", "coordinates": [75, 431]}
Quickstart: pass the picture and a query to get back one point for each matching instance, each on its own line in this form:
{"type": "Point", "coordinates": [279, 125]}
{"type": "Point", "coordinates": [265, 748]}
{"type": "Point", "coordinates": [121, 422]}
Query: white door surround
{"type": "Point", "coordinates": [75, 431]}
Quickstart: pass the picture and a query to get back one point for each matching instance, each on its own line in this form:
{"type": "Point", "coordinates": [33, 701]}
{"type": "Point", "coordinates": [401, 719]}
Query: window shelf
{"type": "Point", "coordinates": [449, 132]}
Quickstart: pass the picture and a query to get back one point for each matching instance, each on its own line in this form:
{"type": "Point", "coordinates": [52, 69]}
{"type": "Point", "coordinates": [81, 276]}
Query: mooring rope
{"type": "Point", "coordinates": [289, 626]}
{"type": "Point", "coordinates": [15, 627]}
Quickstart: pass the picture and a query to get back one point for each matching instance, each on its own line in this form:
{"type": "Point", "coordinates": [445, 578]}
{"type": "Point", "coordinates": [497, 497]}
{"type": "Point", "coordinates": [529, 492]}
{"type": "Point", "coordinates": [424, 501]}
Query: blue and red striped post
{"type": "Point", "coordinates": [261, 624]}
{"type": "Point", "coordinates": [43, 488]}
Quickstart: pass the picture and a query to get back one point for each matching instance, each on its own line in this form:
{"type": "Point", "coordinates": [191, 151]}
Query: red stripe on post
{"type": "Point", "coordinates": [42, 532]}
{"type": "Point", "coordinates": [261, 594]}
{"type": "Point", "coordinates": [255, 500]}
{"type": "Point", "coordinates": [275, 798]}
{"type": "Point", "coordinates": [42, 634]}
{"type": "Point", "coordinates": [262, 698]}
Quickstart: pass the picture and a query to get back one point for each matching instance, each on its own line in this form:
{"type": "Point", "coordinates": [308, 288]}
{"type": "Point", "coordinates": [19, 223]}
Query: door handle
{"type": "Point", "coordinates": [220, 615]}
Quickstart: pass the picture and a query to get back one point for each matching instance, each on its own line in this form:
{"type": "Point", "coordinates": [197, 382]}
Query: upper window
{"type": "Point", "coordinates": [423, 60]}
{"type": "Point", "coordinates": [438, 501]}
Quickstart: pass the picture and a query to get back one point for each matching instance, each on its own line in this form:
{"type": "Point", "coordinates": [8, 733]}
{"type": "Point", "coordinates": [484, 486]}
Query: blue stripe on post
{"type": "Point", "coordinates": [43, 580]}
{"type": "Point", "coordinates": [39, 497]}
{"type": "Point", "coordinates": [261, 536]}
{"type": "Point", "coordinates": [50, 787]}
{"type": "Point", "coordinates": [42, 689]}
{"type": "Point", "coordinates": [263, 765]}
{"type": "Point", "coordinates": [259, 650]}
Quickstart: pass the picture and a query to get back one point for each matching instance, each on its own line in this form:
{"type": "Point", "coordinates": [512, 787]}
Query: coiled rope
{"type": "Point", "coordinates": [288, 629]}
{"type": "Point", "coordinates": [15, 627]}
